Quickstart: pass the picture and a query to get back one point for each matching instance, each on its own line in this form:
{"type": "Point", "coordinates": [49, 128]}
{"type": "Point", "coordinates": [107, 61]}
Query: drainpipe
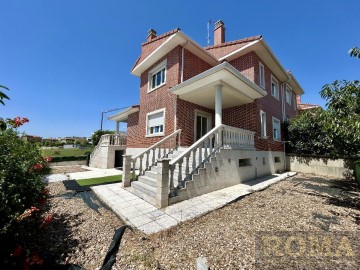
{"type": "Point", "coordinates": [283, 97]}
{"type": "Point", "coordinates": [218, 105]}
{"type": "Point", "coordinates": [182, 61]}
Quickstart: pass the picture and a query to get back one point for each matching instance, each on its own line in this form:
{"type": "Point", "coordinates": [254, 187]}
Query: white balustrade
{"type": "Point", "coordinates": [201, 151]}
{"type": "Point", "coordinates": [160, 149]}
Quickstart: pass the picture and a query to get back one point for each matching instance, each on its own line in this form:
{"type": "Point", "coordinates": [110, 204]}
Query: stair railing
{"type": "Point", "coordinates": [159, 150]}
{"type": "Point", "coordinates": [201, 151]}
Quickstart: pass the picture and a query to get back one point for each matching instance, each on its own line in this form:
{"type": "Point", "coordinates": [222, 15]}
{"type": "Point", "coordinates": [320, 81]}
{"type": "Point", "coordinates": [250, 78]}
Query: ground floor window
{"type": "Point", "coordinates": [276, 129]}
{"type": "Point", "coordinates": [155, 123]}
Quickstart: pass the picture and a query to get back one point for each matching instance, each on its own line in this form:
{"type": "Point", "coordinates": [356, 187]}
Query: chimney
{"type": "Point", "coordinates": [219, 32]}
{"type": "Point", "coordinates": [151, 34]}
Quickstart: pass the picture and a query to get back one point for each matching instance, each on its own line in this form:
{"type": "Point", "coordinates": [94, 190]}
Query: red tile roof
{"type": "Point", "coordinates": [307, 106]}
{"type": "Point", "coordinates": [223, 49]}
{"type": "Point", "coordinates": [161, 36]}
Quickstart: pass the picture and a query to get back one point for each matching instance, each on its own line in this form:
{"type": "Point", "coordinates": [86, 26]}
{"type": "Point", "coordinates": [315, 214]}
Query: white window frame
{"type": "Point", "coordinates": [288, 94]}
{"type": "Point", "coordinates": [263, 124]}
{"type": "Point", "coordinates": [154, 71]}
{"type": "Point", "coordinates": [276, 122]}
{"type": "Point", "coordinates": [147, 124]}
{"type": "Point", "coordinates": [261, 75]}
{"type": "Point", "coordinates": [276, 83]}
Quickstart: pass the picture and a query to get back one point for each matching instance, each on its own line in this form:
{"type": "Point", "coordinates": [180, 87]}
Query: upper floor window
{"type": "Point", "coordinates": [155, 123]}
{"type": "Point", "coordinates": [288, 94]}
{"type": "Point", "coordinates": [263, 124]}
{"type": "Point", "coordinates": [274, 87]}
{"type": "Point", "coordinates": [295, 103]}
{"type": "Point", "coordinates": [276, 129]}
{"type": "Point", "coordinates": [261, 75]}
{"type": "Point", "coordinates": [157, 76]}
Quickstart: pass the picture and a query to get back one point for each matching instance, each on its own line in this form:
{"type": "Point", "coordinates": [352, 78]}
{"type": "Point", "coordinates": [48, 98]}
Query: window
{"type": "Point", "coordinates": [277, 159]}
{"type": "Point", "coordinates": [261, 75]}
{"type": "Point", "coordinates": [155, 123]}
{"type": "Point", "coordinates": [288, 95]}
{"type": "Point", "coordinates": [274, 88]}
{"type": "Point", "coordinates": [157, 76]}
{"type": "Point", "coordinates": [244, 162]}
{"type": "Point", "coordinates": [263, 124]}
{"type": "Point", "coordinates": [276, 129]}
{"type": "Point", "coordinates": [295, 103]}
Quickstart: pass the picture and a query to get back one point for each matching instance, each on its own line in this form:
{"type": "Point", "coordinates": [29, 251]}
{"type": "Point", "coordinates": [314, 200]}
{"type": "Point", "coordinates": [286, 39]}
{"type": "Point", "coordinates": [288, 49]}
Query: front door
{"type": "Point", "coordinates": [202, 125]}
{"type": "Point", "coordinates": [118, 158]}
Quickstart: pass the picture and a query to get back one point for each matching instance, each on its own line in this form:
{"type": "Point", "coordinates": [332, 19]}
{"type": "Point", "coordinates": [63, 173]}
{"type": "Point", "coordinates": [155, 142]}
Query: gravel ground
{"type": "Point", "coordinates": [301, 205]}
{"type": "Point", "coordinates": [67, 169]}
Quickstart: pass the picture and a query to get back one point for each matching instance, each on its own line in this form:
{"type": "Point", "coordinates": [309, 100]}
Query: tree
{"type": "Point", "coordinates": [2, 95]}
{"type": "Point", "coordinates": [95, 137]}
{"type": "Point", "coordinates": [355, 52]}
{"type": "Point", "coordinates": [334, 131]}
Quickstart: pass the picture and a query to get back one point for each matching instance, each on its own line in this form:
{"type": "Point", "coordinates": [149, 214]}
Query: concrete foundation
{"type": "Point", "coordinates": [104, 157]}
{"type": "Point", "coordinates": [338, 168]}
{"type": "Point", "coordinates": [229, 168]}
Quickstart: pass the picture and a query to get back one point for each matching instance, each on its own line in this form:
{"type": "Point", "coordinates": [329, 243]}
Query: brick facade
{"type": "Point", "coordinates": [243, 116]}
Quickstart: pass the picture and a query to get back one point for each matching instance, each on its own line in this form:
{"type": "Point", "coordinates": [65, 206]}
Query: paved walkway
{"type": "Point", "coordinates": [91, 173]}
{"type": "Point", "coordinates": [149, 219]}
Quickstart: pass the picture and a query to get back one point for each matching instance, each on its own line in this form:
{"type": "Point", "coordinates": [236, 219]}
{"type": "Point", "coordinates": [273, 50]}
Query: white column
{"type": "Point", "coordinates": [117, 127]}
{"type": "Point", "coordinates": [218, 105]}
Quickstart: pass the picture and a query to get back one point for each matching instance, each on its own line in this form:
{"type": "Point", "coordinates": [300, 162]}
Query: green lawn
{"type": "Point", "coordinates": [99, 180]}
{"type": "Point", "coordinates": [65, 152]}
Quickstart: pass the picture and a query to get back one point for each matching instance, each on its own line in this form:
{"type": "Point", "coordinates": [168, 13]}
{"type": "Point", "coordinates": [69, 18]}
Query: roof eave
{"type": "Point", "coordinates": [225, 65]}
{"type": "Point", "coordinates": [123, 115]}
{"type": "Point", "coordinates": [178, 38]}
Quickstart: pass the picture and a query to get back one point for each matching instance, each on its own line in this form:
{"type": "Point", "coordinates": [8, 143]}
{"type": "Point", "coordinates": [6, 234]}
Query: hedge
{"type": "Point", "coordinates": [68, 158]}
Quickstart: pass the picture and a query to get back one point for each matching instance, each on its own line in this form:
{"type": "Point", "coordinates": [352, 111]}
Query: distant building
{"type": "Point", "coordinates": [50, 140]}
{"type": "Point", "coordinates": [72, 140]}
{"type": "Point", "coordinates": [31, 138]}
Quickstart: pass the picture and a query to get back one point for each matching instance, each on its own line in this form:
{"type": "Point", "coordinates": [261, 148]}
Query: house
{"type": "Point", "coordinates": [73, 140]}
{"type": "Point", "coordinates": [31, 138]}
{"type": "Point", "coordinates": [208, 117]}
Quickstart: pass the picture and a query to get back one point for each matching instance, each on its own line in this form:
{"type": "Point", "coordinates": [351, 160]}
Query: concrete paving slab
{"type": "Point", "coordinates": [149, 219]}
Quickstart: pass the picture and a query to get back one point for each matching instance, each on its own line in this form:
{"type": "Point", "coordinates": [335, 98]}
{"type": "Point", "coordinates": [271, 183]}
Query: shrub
{"type": "Point", "coordinates": [68, 158]}
{"type": "Point", "coordinates": [21, 171]}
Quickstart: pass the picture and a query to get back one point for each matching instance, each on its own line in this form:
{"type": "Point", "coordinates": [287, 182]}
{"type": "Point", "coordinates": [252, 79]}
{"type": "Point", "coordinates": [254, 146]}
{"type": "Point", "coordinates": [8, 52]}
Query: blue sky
{"type": "Point", "coordinates": [66, 61]}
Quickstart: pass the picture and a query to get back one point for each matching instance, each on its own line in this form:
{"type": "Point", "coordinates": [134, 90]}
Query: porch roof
{"type": "Point", "coordinates": [236, 88]}
{"type": "Point", "coordinates": [123, 115]}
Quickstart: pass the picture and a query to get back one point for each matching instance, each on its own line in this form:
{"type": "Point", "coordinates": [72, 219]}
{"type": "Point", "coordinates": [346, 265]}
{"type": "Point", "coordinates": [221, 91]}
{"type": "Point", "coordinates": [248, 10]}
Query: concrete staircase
{"type": "Point", "coordinates": [145, 186]}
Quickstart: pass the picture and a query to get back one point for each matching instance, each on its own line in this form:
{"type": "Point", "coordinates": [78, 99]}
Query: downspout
{"type": "Point", "coordinates": [182, 61]}
{"type": "Point", "coordinates": [181, 80]}
{"type": "Point", "coordinates": [283, 97]}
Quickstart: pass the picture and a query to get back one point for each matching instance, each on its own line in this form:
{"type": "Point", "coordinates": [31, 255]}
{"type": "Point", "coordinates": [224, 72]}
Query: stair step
{"type": "Point", "coordinates": [151, 173]}
{"type": "Point", "coordinates": [144, 188]}
{"type": "Point", "coordinates": [150, 181]}
{"type": "Point", "coordinates": [142, 195]}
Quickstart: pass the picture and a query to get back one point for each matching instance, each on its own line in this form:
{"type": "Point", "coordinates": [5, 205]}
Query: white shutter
{"type": "Point", "coordinates": [156, 119]}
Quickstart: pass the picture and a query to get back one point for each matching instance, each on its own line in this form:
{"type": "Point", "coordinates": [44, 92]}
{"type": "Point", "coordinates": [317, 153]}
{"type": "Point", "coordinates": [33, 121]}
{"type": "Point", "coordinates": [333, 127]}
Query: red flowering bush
{"type": "Point", "coordinates": [13, 123]}
{"type": "Point", "coordinates": [23, 197]}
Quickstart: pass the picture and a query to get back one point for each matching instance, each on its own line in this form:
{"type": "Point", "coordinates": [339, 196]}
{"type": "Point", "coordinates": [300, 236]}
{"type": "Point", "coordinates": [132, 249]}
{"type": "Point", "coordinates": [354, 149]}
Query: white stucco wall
{"type": "Point", "coordinates": [224, 171]}
{"type": "Point", "coordinates": [104, 157]}
{"type": "Point", "coordinates": [321, 166]}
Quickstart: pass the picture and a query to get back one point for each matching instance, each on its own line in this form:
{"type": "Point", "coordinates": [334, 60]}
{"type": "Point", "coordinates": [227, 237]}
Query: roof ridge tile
{"type": "Point", "coordinates": [248, 39]}
{"type": "Point", "coordinates": [161, 36]}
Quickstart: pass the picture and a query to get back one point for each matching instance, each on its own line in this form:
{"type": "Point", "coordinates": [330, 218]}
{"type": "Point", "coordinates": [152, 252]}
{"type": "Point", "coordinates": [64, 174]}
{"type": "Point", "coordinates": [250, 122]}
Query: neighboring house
{"type": "Point", "coordinates": [30, 138]}
{"type": "Point", "coordinates": [220, 107]}
{"type": "Point", "coordinates": [72, 140]}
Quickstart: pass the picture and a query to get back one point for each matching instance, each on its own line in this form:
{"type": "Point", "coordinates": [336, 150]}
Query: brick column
{"type": "Point", "coordinates": [162, 183]}
{"type": "Point", "coordinates": [126, 177]}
